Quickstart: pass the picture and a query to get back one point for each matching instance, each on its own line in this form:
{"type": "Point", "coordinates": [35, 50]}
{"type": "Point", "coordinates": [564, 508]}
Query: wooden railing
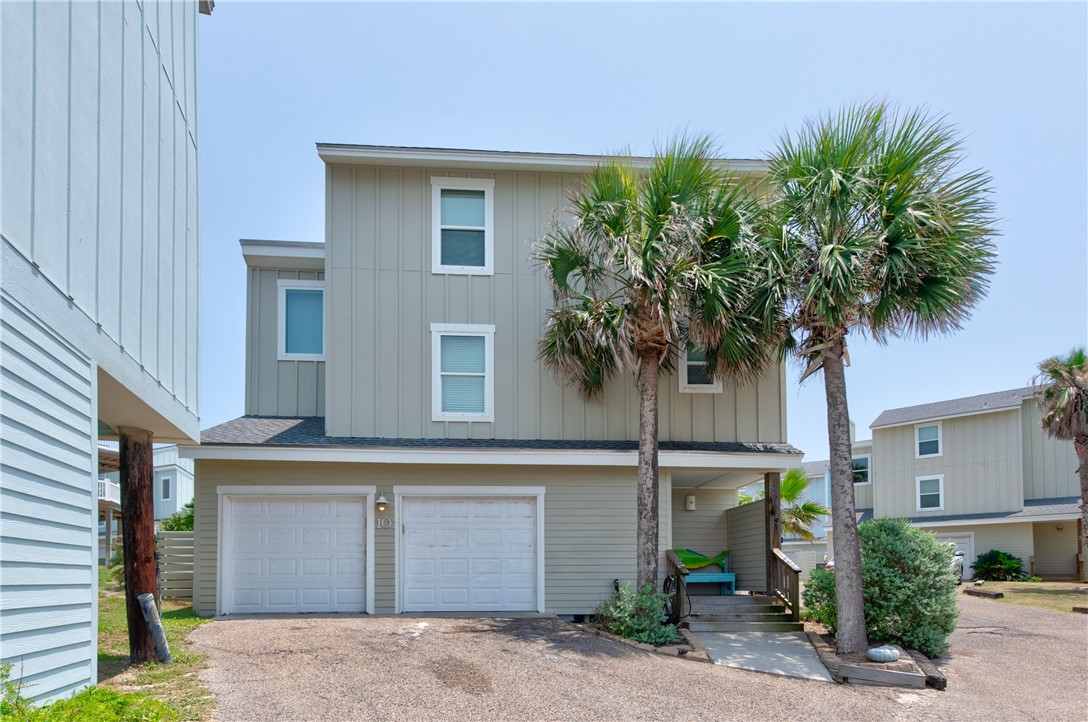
{"type": "Point", "coordinates": [785, 582]}
{"type": "Point", "coordinates": [677, 567]}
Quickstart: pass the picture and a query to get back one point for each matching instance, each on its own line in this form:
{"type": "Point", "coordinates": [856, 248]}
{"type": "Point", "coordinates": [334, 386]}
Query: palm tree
{"type": "Point", "coordinates": [650, 258]}
{"type": "Point", "coordinates": [797, 515]}
{"type": "Point", "coordinates": [871, 228]}
{"type": "Point", "coordinates": [1061, 391]}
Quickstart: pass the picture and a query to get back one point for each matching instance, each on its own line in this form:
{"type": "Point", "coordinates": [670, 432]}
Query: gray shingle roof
{"type": "Point", "coordinates": [815, 468]}
{"type": "Point", "coordinates": [1068, 505]}
{"type": "Point", "coordinates": [310, 431]}
{"type": "Point", "coordinates": [996, 401]}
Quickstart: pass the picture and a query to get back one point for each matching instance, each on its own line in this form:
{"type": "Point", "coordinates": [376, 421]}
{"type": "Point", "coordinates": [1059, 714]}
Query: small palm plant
{"type": "Point", "coordinates": [650, 259]}
{"type": "Point", "coordinates": [1061, 391]}
{"type": "Point", "coordinates": [798, 514]}
{"type": "Point", "coordinates": [872, 228]}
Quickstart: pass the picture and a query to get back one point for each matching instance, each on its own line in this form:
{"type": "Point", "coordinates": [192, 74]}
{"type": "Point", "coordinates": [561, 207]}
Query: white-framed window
{"type": "Point", "coordinates": [301, 319]}
{"type": "Point", "coordinates": [930, 492]}
{"type": "Point", "coordinates": [694, 378]}
{"type": "Point", "coordinates": [463, 372]}
{"type": "Point", "coordinates": [167, 491]}
{"type": "Point", "coordinates": [462, 225]}
{"type": "Point", "coordinates": [927, 440]}
{"type": "Point", "coordinates": [862, 466]}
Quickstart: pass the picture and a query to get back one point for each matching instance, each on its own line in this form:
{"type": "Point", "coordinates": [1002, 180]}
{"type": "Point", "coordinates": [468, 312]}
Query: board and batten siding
{"type": "Point", "coordinates": [100, 177]}
{"type": "Point", "coordinates": [980, 460]}
{"type": "Point", "coordinates": [746, 529]}
{"type": "Point", "coordinates": [48, 507]}
{"type": "Point", "coordinates": [1050, 465]}
{"type": "Point", "coordinates": [863, 494]}
{"type": "Point", "coordinates": [589, 520]}
{"type": "Point", "coordinates": [380, 286]}
{"type": "Point", "coordinates": [274, 387]}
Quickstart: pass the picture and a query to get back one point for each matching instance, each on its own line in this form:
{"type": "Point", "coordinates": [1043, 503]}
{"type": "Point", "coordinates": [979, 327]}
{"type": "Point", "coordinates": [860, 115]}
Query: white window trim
{"type": "Point", "coordinates": [869, 474]}
{"type": "Point", "coordinates": [166, 483]}
{"type": "Point", "coordinates": [685, 387]}
{"type": "Point", "coordinates": [487, 185]}
{"type": "Point", "coordinates": [462, 329]}
{"type": "Point", "coordinates": [226, 494]}
{"type": "Point", "coordinates": [399, 492]}
{"type": "Point", "coordinates": [918, 492]}
{"type": "Point", "coordinates": [282, 286]}
{"type": "Point", "coordinates": [940, 440]}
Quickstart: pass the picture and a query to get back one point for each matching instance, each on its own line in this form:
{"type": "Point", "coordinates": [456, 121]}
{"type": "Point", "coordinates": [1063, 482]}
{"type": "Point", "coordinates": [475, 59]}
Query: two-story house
{"type": "Point", "coordinates": [98, 296]}
{"type": "Point", "coordinates": [978, 472]}
{"type": "Point", "coordinates": [403, 450]}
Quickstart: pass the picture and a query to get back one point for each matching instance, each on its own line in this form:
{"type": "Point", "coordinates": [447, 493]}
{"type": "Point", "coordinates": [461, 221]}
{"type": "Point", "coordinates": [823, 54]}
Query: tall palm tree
{"type": "Point", "coordinates": [649, 259]}
{"type": "Point", "coordinates": [1061, 391]}
{"type": "Point", "coordinates": [798, 514]}
{"type": "Point", "coordinates": [872, 228]}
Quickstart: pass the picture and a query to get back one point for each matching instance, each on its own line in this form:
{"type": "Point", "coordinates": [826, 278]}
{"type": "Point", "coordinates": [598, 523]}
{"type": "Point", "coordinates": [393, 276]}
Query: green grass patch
{"type": "Point", "coordinates": [1056, 596]}
{"type": "Point", "coordinates": [97, 704]}
{"type": "Point", "coordinates": [175, 684]}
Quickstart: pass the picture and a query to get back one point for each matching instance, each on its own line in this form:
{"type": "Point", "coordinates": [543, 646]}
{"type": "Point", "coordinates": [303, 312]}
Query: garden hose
{"type": "Point", "coordinates": [671, 587]}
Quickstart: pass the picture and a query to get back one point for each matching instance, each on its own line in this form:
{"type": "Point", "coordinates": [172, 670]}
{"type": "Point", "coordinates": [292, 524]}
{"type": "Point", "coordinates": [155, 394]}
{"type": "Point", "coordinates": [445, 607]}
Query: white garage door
{"type": "Point", "coordinates": [966, 544]}
{"type": "Point", "coordinates": [296, 554]}
{"type": "Point", "coordinates": [469, 554]}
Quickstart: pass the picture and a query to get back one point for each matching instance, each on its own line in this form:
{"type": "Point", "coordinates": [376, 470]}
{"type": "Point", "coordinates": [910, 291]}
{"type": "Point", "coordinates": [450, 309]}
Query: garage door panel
{"type": "Point", "coordinates": [300, 554]}
{"type": "Point", "coordinates": [472, 554]}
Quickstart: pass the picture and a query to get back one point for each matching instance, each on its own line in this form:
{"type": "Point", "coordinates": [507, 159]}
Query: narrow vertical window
{"type": "Point", "coordinates": [301, 320]}
{"type": "Point", "coordinates": [930, 492]}
{"type": "Point", "coordinates": [463, 383]}
{"type": "Point", "coordinates": [463, 225]}
{"type": "Point", "coordinates": [166, 490]}
{"type": "Point", "coordinates": [928, 440]}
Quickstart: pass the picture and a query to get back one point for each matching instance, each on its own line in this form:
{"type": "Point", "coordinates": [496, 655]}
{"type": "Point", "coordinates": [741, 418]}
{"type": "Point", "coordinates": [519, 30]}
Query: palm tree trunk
{"type": "Point", "coordinates": [850, 635]}
{"type": "Point", "coordinates": [647, 502]}
{"type": "Point", "coordinates": [1080, 444]}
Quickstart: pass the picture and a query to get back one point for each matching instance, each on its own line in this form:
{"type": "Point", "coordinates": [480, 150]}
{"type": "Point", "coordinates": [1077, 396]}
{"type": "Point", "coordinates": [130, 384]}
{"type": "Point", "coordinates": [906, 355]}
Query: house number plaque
{"type": "Point", "coordinates": [384, 522]}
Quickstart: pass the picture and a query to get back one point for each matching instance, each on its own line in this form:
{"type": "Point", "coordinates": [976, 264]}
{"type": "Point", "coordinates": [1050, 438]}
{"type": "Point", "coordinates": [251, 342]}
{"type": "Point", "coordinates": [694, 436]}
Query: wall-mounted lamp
{"type": "Point", "coordinates": [1059, 527]}
{"type": "Point", "coordinates": [689, 502]}
{"type": "Point", "coordinates": [382, 503]}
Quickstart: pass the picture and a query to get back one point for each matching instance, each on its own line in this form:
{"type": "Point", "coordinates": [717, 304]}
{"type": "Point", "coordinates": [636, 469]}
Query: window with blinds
{"type": "Point", "coordinates": [694, 377]}
{"type": "Point", "coordinates": [301, 334]}
{"type": "Point", "coordinates": [462, 226]}
{"type": "Point", "coordinates": [464, 383]}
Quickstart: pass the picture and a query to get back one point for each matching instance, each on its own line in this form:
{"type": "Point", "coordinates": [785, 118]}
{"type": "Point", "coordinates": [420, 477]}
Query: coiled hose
{"type": "Point", "coordinates": [671, 588]}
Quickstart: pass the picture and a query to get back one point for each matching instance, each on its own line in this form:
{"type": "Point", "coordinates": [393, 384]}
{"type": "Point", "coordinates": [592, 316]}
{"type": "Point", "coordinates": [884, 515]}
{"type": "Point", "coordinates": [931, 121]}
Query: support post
{"type": "Point", "coordinates": [138, 536]}
{"type": "Point", "coordinates": [772, 503]}
{"type": "Point", "coordinates": [109, 534]}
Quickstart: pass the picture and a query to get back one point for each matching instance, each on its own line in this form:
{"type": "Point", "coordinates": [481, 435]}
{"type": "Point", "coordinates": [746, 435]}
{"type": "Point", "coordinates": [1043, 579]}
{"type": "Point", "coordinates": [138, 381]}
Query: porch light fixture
{"type": "Point", "coordinates": [382, 503]}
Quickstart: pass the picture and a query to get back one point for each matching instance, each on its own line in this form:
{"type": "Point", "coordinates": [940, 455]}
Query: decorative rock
{"type": "Point", "coordinates": [883, 653]}
{"type": "Point", "coordinates": [671, 651]}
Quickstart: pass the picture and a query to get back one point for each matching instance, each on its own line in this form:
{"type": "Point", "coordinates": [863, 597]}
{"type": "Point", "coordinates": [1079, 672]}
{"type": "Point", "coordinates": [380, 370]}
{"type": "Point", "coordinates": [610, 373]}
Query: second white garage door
{"type": "Point", "coordinates": [474, 554]}
{"type": "Point", "coordinates": [296, 554]}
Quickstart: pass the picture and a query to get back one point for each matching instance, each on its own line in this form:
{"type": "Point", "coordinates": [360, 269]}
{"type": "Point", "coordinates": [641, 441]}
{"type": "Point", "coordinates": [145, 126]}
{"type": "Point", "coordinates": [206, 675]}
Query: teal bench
{"type": "Point", "coordinates": [726, 578]}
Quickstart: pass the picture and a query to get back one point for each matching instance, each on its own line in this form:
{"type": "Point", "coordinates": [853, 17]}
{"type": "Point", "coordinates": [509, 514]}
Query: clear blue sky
{"type": "Point", "coordinates": [276, 78]}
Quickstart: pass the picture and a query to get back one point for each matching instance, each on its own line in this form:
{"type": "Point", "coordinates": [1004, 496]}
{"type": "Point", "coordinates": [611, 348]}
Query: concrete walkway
{"type": "Point", "coordinates": [789, 654]}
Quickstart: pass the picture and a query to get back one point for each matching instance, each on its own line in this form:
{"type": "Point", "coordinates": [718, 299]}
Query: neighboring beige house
{"type": "Point", "coordinates": [404, 451]}
{"type": "Point", "coordinates": [98, 296]}
{"type": "Point", "coordinates": [981, 473]}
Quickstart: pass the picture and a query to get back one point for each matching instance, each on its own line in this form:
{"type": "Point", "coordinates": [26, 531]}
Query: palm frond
{"type": "Point", "coordinates": [1061, 393]}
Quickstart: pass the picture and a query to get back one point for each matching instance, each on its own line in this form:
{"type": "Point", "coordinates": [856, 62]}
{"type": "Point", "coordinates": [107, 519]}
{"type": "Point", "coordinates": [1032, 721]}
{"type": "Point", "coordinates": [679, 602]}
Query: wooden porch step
{"type": "Point", "coordinates": [732, 600]}
{"type": "Point", "coordinates": [699, 626]}
{"type": "Point", "coordinates": [779, 616]}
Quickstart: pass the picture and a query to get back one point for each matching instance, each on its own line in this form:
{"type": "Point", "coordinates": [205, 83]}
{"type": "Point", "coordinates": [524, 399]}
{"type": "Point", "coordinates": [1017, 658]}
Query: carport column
{"type": "Point", "coordinates": [771, 500]}
{"type": "Point", "coordinates": [138, 535]}
{"type": "Point", "coordinates": [109, 533]}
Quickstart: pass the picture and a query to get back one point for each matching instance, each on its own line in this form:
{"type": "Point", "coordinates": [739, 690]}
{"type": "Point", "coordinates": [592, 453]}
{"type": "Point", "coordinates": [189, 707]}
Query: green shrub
{"type": "Point", "coordinates": [909, 587]}
{"type": "Point", "coordinates": [95, 704]}
{"type": "Point", "coordinates": [637, 615]}
{"type": "Point", "coordinates": [182, 521]}
{"type": "Point", "coordinates": [1032, 578]}
{"type": "Point", "coordinates": [997, 566]}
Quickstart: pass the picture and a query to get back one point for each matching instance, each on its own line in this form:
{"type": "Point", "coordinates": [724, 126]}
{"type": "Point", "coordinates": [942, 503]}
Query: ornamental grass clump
{"type": "Point", "coordinates": [909, 587]}
{"type": "Point", "coordinates": [998, 566]}
{"type": "Point", "coordinates": [637, 615]}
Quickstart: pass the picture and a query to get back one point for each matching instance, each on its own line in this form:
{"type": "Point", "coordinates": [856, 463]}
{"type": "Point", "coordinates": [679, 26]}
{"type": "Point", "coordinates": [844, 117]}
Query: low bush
{"type": "Point", "coordinates": [95, 704]}
{"type": "Point", "coordinates": [997, 566]}
{"type": "Point", "coordinates": [908, 585]}
{"type": "Point", "coordinates": [181, 521]}
{"type": "Point", "coordinates": [637, 615]}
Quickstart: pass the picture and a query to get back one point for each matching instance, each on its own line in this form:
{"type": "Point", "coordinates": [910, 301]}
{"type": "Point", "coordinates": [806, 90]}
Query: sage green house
{"type": "Point", "coordinates": [981, 473]}
{"type": "Point", "coordinates": [402, 449]}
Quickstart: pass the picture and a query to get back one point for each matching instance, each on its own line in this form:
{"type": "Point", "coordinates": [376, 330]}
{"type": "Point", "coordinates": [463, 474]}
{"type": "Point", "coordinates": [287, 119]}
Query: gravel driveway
{"type": "Point", "coordinates": [1008, 663]}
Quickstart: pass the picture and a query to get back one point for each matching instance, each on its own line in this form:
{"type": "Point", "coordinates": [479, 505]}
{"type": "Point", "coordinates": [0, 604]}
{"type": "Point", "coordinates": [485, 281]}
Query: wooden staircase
{"type": "Point", "coordinates": [739, 613]}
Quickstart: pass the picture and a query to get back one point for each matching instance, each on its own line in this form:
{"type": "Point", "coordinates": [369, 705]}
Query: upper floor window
{"type": "Point", "coordinates": [694, 377]}
{"type": "Point", "coordinates": [167, 492]}
{"type": "Point", "coordinates": [930, 492]}
{"type": "Point", "coordinates": [861, 469]}
{"type": "Point", "coordinates": [462, 225]}
{"type": "Point", "coordinates": [927, 440]}
{"type": "Point", "coordinates": [463, 372]}
{"type": "Point", "coordinates": [301, 320]}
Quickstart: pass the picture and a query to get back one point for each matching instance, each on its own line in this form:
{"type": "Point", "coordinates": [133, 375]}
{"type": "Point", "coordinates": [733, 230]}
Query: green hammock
{"type": "Point", "coordinates": [695, 560]}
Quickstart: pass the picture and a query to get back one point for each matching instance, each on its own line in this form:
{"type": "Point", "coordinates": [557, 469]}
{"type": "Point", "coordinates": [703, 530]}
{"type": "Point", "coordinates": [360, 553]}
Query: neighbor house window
{"type": "Point", "coordinates": [166, 490]}
{"type": "Point", "coordinates": [927, 440]}
{"type": "Point", "coordinates": [930, 492]}
{"type": "Point", "coordinates": [463, 384]}
{"type": "Point", "coordinates": [694, 377]}
{"type": "Point", "coordinates": [462, 225]}
{"type": "Point", "coordinates": [861, 469]}
{"type": "Point", "coordinates": [301, 320]}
